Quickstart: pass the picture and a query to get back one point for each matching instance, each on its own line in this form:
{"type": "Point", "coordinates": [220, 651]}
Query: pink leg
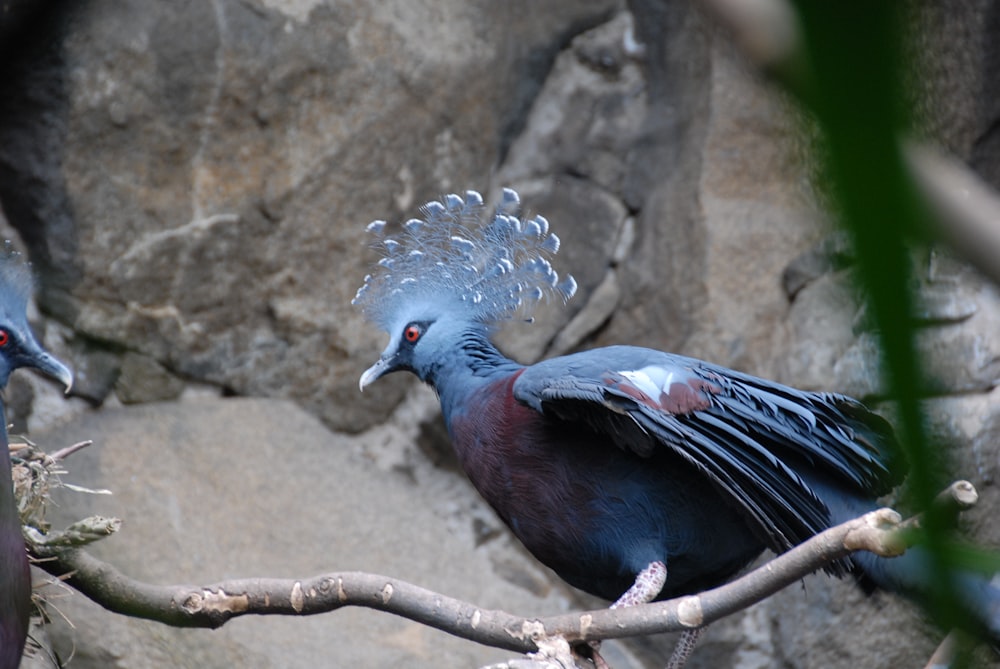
{"type": "Point", "coordinates": [647, 586]}
{"type": "Point", "coordinates": [599, 662]}
{"type": "Point", "coordinates": [684, 648]}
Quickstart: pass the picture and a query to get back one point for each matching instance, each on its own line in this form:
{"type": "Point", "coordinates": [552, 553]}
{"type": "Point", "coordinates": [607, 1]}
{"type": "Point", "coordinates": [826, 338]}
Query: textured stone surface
{"type": "Point", "coordinates": [143, 379]}
{"type": "Point", "coordinates": [233, 488]}
{"type": "Point", "coordinates": [242, 147]}
{"type": "Point", "coordinates": [192, 180]}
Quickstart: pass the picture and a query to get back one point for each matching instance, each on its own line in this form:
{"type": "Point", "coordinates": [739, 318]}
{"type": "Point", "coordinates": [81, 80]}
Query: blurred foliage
{"type": "Point", "coordinates": [851, 79]}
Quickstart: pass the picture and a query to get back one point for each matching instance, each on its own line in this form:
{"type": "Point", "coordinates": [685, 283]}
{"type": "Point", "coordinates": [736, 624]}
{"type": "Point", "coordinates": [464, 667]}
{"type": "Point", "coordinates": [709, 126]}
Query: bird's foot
{"type": "Point", "coordinates": [595, 655]}
{"type": "Point", "coordinates": [646, 587]}
{"type": "Point", "coordinates": [684, 648]}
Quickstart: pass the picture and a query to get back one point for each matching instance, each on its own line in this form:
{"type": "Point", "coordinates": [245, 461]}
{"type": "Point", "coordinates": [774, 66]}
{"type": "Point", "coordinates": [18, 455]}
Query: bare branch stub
{"type": "Point", "coordinates": [64, 453]}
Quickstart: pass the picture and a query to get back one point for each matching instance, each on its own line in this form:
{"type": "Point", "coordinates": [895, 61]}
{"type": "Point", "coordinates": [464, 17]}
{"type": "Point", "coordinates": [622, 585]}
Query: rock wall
{"type": "Point", "coordinates": [192, 180]}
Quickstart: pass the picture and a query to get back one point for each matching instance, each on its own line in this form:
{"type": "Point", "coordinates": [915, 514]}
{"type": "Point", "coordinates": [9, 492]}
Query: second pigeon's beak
{"type": "Point", "coordinates": [33, 355]}
{"type": "Point", "coordinates": [383, 366]}
{"type": "Point", "coordinates": [44, 362]}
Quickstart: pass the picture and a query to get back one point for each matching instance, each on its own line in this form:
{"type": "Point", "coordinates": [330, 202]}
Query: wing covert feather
{"type": "Point", "coordinates": [744, 434]}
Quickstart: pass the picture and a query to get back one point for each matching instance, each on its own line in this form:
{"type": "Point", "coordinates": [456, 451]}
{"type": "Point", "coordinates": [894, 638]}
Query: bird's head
{"type": "Point", "coordinates": [18, 346]}
{"type": "Point", "coordinates": [418, 344]}
{"type": "Point", "coordinates": [456, 270]}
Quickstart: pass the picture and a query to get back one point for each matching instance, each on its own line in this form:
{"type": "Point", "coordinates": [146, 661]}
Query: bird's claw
{"type": "Point", "coordinates": [596, 657]}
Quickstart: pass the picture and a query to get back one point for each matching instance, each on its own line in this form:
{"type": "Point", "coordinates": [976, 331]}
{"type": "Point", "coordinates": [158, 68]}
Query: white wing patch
{"type": "Point", "coordinates": [653, 381]}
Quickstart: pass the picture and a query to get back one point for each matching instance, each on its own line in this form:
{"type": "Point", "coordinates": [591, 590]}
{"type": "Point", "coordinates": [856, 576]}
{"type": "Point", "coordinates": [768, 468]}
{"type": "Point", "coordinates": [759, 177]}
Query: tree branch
{"type": "Point", "coordinates": [213, 605]}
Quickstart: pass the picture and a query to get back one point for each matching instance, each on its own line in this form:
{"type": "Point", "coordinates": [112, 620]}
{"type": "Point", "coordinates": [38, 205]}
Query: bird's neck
{"type": "Point", "coordinates": [15, 579]}
{"type": "Point", "coordinates": [473, 363]}
{"type": "Point", "coordinates": [10, 522]}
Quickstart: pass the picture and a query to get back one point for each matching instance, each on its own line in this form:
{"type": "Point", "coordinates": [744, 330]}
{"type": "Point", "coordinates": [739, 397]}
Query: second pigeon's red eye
{"type": "Point", "coordinates": [411, 333]}
{"type": "Point", "coordinates": [4, 338]}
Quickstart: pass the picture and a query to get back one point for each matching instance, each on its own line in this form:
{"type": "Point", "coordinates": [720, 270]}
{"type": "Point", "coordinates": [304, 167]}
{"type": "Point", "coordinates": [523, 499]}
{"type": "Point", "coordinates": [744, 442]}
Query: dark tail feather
{"type": "Point", "coordinates": [877, 434]}
{"type": "Point", "coordinates": [911, 575]}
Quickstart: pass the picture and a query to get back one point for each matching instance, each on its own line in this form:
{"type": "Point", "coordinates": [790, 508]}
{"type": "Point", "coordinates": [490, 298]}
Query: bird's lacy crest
{"type": "Point", "coordinates": [459, 259]}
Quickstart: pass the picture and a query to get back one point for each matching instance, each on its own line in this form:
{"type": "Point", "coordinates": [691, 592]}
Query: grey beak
{"type": "Point", "coordinates": [44, 362]}
{"type": "Point", "coordinates": [374, 372]}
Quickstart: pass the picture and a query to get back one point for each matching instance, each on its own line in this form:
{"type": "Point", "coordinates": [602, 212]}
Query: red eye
{"type": "Point", "coordinates": [411, 333]}
{"type": "Point", "coordinates": [4, 338]}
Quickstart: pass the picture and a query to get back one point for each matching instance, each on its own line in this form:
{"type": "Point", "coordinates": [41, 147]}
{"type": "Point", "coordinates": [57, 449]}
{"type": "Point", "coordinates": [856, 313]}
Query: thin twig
{"type": "Point", "coordinates": [64, 453]}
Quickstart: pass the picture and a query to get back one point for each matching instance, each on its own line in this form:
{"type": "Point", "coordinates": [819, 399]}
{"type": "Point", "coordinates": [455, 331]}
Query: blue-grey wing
{"type": "Point", "coordinates": [746, 435]}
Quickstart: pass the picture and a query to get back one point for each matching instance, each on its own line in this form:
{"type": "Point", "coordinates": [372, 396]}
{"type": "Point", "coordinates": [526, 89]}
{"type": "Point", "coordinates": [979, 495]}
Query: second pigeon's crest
{"type": "Point", "coordinates": [15, 277]}
{"type": "Point", "coordinates": [457, 257]}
